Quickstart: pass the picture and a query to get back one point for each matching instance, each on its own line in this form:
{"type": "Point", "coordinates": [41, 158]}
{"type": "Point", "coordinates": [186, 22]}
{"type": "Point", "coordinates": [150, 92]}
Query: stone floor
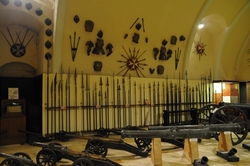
{"type": "Point", "coordinates": [171, 154]}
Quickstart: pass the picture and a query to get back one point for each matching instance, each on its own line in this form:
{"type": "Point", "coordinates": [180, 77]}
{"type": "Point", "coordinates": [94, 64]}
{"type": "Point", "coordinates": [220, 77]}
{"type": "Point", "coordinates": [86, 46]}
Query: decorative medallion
{"type": "Point", "coordinates": [200, 48]}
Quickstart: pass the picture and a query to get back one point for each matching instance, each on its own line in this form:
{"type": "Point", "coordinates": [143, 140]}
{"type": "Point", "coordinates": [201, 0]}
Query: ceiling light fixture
{"type": "Point", "coordinates": [201, 25]}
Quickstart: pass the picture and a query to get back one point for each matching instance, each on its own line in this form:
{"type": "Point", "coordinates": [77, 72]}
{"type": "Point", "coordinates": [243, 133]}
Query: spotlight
{"type": "Point", "coordinates": [201, 25]}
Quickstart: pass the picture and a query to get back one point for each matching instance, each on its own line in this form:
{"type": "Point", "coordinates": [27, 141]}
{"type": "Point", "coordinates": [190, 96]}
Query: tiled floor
{"type": "Point", "coordinates": [171, 154]}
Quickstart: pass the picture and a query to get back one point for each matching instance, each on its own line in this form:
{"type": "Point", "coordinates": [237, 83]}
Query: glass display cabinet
{"type": "Point", "coordinates": [226, 91]}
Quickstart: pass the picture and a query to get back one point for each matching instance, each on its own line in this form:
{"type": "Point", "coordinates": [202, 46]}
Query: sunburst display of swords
{"type": "Point", "coordinates": [80, 102]}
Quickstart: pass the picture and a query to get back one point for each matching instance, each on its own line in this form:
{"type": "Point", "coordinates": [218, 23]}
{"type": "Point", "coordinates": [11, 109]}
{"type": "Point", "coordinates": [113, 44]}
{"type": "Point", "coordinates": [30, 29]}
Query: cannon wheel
{"type": "Point", "coordinates": [96, 146]}
{"type": "Point", "coordinates": [205, 112]}
{"type": "Point", "coordinates": [22, 155]}
{"type": "Point", "coordinates": [46, 157]}
{"type": "Point", "coordinates": [59, 155]}
{"type": "Point", "coordinates": [227, 115]}
{"type": "Point", "coordinates": [11, 161]}
{"type": "Point", "coordinates": [83, 162]}
{"type": "Point", "coordinates": [143, 143]}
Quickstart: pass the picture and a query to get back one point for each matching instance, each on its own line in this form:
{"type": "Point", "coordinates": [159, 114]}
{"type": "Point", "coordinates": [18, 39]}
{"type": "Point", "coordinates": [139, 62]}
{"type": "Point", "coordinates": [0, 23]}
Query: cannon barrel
{"type": "Point", "coordinates": [168, 134]}
{"type": "Point", "coordinates": [23, 160]}
{"type": "Point", "coordinates": [240, 105]}
{"type": "Point", "coordinates": [234, 127]}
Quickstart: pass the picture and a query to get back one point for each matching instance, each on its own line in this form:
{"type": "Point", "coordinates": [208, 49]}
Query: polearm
{"type": "Point", "coordinates": [154, 104]}
{"type": "Point", "coordinates": [75, 80]}
{"type": "Point", "coordinates": [69, 99]}
{"type": "Point", "coordinates": [101, 103]}
{"type": "Point", "coordinates": [179, 97]}
{"type": "Point", "coordinates": [94, 100]}
{"type": "Point", "coordinates": [150, 102]}
{"type": "Point", "coordinates": [172, 101]}
{"type": "Point", "coordinates": [129, 99]}
{"type": "Point", "coordinates": [210, 83]}
{"type": "Point", "coordinates": [107, 103]}
{"type": "Point", "coordinates": [82, 87]}
{"type": "Point", "coordinates": [55, 82]}
{"type": "Point", "coordinates": [205, 87]}
{"type": "Point", "coordinates": [51, 110]}
{"type": "Point", "coordinates": [87, 101]}
{"type": "Point", "coordinates": [177, 112]}
{"type": "Point", "coordinates": [124, 102]}
{"type": "Point", "coordinates": [141, 104]}
{"type": "Point", "coordinates": [135, 103]}
{"type": "Point", "coordinates": [61, 104]}
{"type": "Point", "coordinates": [48, 58]}
{"type": "Point", "coordinates": [158, 103]}
{"type": "Point", "coordinates": [144, 103]}
{"type": "Point", "coordinates": [114, 103]}
{"type": "Point", "coordinates": [118, 104]}
{"type": "Point", "coordinates": [167, 95]}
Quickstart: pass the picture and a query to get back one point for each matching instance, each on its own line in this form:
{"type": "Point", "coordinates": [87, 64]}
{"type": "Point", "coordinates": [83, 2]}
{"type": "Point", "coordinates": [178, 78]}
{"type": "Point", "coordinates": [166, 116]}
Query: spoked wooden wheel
{"type": "Point", "coordinates": [205, 113]}
{"type": "Point", "coordinates": [143, 143]}
{"type": "Point", "coordinates": [231, 114]}
{"type": "Point", "coordinates": [11, 161]}
{"type": "Point", "coordinates": [46, 157]}
{"type": "Point", "coordinates": [22, 155]}
{"type": "Point", "coordinates": [96, 146]}
{"type": "Point", "coordinates": [83, 162]}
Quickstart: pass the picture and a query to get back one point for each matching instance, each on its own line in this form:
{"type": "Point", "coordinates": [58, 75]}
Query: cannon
{"type": "Point", "coordinates": [106, 132]}
{"type": "Point", "coordinates": [181, 132]}
{"type": "Point", "coordinates": [32, 136]}
{"type": "Point", "coordinates": [99, 146]}
{"type": "Point", "coordinates": [53, 152]}
{"type": "Point", "coordinates": [17, 159]}
{"type": "Point", "coordinates": [227, 113]}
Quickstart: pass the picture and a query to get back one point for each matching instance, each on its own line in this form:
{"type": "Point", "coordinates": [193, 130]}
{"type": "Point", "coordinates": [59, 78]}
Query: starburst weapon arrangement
{"type": "Point", "coordinates": [132, 62]}
{"type": "Point", "coordinates": [17, 47]}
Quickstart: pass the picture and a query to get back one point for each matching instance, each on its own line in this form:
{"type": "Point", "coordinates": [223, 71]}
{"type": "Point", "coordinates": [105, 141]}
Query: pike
{"type": "Point", "coordinates": [179, 99]}
{"type": "Point", "coordinates": [48, 57]}
{"type": "Point", "coordinates": [158, 103]}
{"type": "Point", "coordinates": [135, 104]}
{"type": "Point", "coordinates": [141, 103]}
{"type": "Point", "coordinates": [154, 104]}
{"type": "Point", "coordinates": [114, 100]}
{"type": "Point", "coordinates": [61, 89]}
{"type": "Point", "coordinates": [210, 83]}
{"type": "Point", "coordinates": [175, 98]}
{"type": "Point", "coordinates": [172, 101]}
{"type": "Point", "coordinates": [68, 99]}
{"type": "Point", "coordinates": [101, 103]}
{"type": "Point", "coordinates": [118, 104]}
{"type": "Point", "coordinates": [167, 95]}
{"type": "Point", "coordinates": [87, 100]}
{"type": "Point", "coordinates": [83, 119]}
{"type": "Point", "coordinates": [205, 87]}
{"type": "Point", "coordinates": [150, 111]}
{"type": "Point", "coordinates": [55, 82]}
{"type": "Point", "coordinates": [75, 80]}
{"type": "Point", "coordinates": [124, 102]}
{"type": "Point", "coordinates": [51, 112]}
{"type": "Point", "coordinates": [144, 103]}
{"type": "Point", "coordinates": [107, 103]}
{"type": "Point", "coordinates": [129, 101]}
{"type": "Point", "coordinates": [59, 104]}
{"type": "Point", "coordinates": [95, 106]}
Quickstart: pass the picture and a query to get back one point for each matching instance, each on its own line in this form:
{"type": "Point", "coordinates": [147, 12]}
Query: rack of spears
{"type": "Point", "coordinates": [78, 102]}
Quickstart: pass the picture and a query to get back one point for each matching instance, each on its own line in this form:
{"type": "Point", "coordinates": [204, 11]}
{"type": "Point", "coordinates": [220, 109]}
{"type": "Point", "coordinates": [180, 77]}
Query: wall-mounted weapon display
{"type": "Point", "coordinates": [74, 46]}
{"type": "Point", "coordinates": [132, 62]}
{"type": "Point", "coordinates": [17, 45]}
{"type": "Point", "coordinates": [134, 101]}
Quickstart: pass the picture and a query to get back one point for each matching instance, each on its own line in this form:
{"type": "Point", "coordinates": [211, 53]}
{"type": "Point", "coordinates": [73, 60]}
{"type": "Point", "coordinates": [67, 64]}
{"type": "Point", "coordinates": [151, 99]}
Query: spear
{"type": "Point", "coordinates": [119, 104]}
{"type": "Point", "coordinates": [101, 103]}
{"type": "Point", "coordinates": [135, 104]}
{"type": "Point", "coordinates": [124, 102]}
{"type": "Point", "coordinates": [55, 82]}
{"type": "Point", "coordinates": [75, 79]}
{"type": "Point", "coordinates": [69, 98]}
{"type": "Point", "coordinates": [83, 119]}
{"type": "Point", "coordinates": [114, 100]}
{"type": "Point", "coordinates": [87, 100]}
{"type": "Point", "coordinates": [107, 103]}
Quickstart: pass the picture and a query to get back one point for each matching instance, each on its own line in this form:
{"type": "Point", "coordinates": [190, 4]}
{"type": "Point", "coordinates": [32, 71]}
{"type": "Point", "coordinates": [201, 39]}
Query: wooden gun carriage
{"type": "Point", "coordinates": [17, 159]}
{"type": "Point", "coordinates": [227, 113]}
{"type": "Point", "coordinates": [53, 152]}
